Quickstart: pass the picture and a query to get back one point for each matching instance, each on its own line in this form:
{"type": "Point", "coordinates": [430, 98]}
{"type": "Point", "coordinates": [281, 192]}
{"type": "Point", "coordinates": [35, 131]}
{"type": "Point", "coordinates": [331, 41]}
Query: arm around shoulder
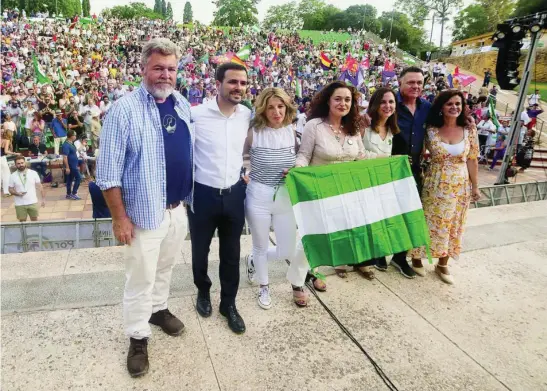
{"type": "Point", "coordinates": [307, 145]}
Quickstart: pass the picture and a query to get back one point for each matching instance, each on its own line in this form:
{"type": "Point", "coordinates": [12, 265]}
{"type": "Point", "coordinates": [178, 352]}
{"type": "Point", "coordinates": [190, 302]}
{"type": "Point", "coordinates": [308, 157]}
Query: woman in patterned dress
{"type": "Point", "coordinates": [450, 182]}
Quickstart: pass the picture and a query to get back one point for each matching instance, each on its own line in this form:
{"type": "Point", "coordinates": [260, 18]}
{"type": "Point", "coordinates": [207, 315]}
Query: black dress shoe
{"type": "Point", "coordinates": [235, 321]}
{"type": "Point", "coordinates": [402, 265]}
{"type": "Point", "coordinates": [137, 357]}
{"type": "Point", "coordinates": [168, 322]}
{"type": "Point", "coordinates": [203, 304]}
{"type": "Point", "coordinates": [381, 264]}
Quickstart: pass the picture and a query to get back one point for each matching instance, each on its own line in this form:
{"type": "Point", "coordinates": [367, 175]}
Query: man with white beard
{"type": "Point", "coordinates": [145, 170]}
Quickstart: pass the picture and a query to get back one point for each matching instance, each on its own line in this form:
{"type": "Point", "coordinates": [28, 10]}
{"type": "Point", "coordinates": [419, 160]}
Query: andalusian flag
{"type": "Point", "coordinates": [244, 53]}
{"type": "Point", "coordinates": [352, 212]}
{"type": "Point", "coordinates": [492, 112]}
{"type": "Point", "coordinates": [39, 75]}
{"type": "Point", "coordinates": [62, 77]}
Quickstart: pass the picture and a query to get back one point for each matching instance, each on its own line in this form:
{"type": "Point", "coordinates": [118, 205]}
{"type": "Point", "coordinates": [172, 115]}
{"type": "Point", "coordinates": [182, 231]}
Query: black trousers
{"type": "Point", "coordinates": [222, 210]}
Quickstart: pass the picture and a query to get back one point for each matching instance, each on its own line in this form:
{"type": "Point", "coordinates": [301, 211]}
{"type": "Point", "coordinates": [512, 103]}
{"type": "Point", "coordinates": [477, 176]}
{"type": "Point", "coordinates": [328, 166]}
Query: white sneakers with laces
{"type": "Point", "coordinates": [264, 298]}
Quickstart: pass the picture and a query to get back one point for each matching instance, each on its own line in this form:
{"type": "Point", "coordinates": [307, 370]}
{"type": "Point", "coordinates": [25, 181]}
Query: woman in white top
{"type": "Point", "coordinates": [485, 128]}
{"type": "Point", "coordinates": [331, 135]}
{"type": "Point", "coordinates": [271, 144]}
{"type": "Point", "coordinates": [378, 140]}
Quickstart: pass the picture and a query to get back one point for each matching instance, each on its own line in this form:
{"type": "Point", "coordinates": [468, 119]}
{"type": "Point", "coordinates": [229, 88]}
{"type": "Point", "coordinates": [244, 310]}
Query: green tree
{"type": "Point", "coordinates": [443, 8]}
{"type": "Point", "coordinates": [157, 6]}
{"type": "Point", "coordinates": [409, 37]}
{"type": "Point", "coordinates": [188, 15]}
{"type": "Point", "coordinates": [86, 8]}
{"type": "Point", "coordinates": [132, 11]}
{"type": "Point", "coordinates": [284, 16]}
{"type": "Point", "coordinates": [469, 23]}
{"type": "Point", "coordinates": [357, 17]}
{"type": "Point", "coordinates": [527, 7]}
{"type": "Point", "coordinates": [235, 12]}
{"type": "Point", "coordinates": [169, 13]}
{"type": "Point", "coordinates": [163, 8]}
{"type": "Point", "coordinates": [311, 13]}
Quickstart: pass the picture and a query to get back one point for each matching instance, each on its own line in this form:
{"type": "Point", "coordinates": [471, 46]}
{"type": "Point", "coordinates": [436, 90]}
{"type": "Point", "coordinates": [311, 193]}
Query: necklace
{"type": "Point", "coordinates": [338, 132]}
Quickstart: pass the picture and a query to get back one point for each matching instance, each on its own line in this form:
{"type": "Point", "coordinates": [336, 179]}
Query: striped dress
{"type": "Point", "coordinates": [272, 151]}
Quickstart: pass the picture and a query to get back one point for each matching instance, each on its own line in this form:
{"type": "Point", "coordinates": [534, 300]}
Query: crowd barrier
{"type": "Point", "coordinates": [92, 233]}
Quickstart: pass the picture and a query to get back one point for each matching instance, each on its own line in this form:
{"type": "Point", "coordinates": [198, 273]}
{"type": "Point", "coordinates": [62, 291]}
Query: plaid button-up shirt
{"type": "Point", "coordinates": [132, 155]}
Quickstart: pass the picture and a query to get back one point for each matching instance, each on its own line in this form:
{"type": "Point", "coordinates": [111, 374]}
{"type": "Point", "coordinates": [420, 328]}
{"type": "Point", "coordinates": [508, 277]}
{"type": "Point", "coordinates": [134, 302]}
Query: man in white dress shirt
{"type": "Point", "coordinates": [221, 127]}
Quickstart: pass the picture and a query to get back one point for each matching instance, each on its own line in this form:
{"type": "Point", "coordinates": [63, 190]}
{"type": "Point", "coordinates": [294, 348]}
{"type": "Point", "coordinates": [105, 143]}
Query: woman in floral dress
{"type": "Point", "coordinates": [450, 182]}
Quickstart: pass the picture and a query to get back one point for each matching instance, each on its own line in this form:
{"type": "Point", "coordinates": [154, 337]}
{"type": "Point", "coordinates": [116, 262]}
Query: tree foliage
{"type": "Point", "coordinates": [67, 8]}
{"type": "Point", "coordinates": [443, 8]}
{"type": "Point", "coordinates": [235, 12]}
{"type": "Point", "coordinates": [157, 6]}
{"type": "Point", "coordinates": [527, 7]}
{"type": "Point", "coordinates": [169, 12]}
{"type": "Point", "coordinates": [285, 16]}
{"type": "Point", "coordinates": [163, 8]}
{"type": "Point", "coordinates": [409, 37]}
{"type": "Point", "coordinates": [86, 8]}
{"type": "Point", "coordinates": [481, 18]}
{"type": "Point", "coordinates": [356, 17]}
{"type": "Point", "coordinates": [188, 15]}
{"type": "Point", "coordinates": [132, 11]}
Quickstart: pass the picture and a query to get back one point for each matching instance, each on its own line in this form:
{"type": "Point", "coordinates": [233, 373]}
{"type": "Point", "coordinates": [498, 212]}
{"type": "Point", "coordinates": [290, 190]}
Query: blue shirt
{"type": "Point", "coordinates": [69, 150]}
{"type": "Point", "coordinates": [412, 125]}
{"type": "Point", "coordinates": [100, 208]}
{"type": "Point", "coordinates": [177, 143]}
{"type": "Point", "coordinates": [133, 155]}
{"type": "Point", "coordinates": [58, 127]}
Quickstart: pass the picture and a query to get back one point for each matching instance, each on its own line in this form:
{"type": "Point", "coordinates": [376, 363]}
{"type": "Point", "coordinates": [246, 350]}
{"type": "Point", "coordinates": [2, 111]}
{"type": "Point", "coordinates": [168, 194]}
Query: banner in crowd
{"type": "Point", "coordinates": [325, 61]}
{"type": "Point", "coordinates": [352, 212]}
{"type": "Point", "coordinates": [492, 112]}
{"type": "Point", "coordinates": [222, 58]}
{"type": "Point", "coordinates": [464, 80]}
{"type": "Point", "coordinates": [244, 52]}
{"type": "Point", "coordinates": [40, 76]}
{"type": "Point", "coordinates": [387, 75]}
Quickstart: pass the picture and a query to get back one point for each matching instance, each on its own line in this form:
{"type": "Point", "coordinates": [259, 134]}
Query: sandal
{"type": "Point", "coordinates": [342, 273]}
{"type": "Point", "coordinates": [365, 271]}
{"type": "Point", "coordinates": [319, 285]}
{"type": "Point", "coordinates": [300, 296]}
{"type": "Point", "coordinates": [445, 277]}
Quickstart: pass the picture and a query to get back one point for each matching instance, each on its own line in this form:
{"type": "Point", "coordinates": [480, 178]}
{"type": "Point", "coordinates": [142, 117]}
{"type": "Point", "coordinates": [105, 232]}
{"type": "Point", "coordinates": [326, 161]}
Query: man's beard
{"type": "Point", "coordinates": [159, 92]}
{"type": "Point", "coordinates": [22, 168]}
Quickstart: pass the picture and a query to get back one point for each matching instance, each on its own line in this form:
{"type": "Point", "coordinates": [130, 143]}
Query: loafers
{"type": "Point", "coordinates": [446, 278]}
{"type": "Point", "coordinates": [403, 266]}
{"type": "Point", "coordinates": [381, 264]}
{"type": "Point", "coordinates": [203, 304]}
{"type": "Point", "coordinates": [419, 270]}
{"type": "Point", "coordinates": [137, 357]}
{"type": "Point", "coordinates": [168, 322]}
{"type": "Point", "coordinates": [235, 321]}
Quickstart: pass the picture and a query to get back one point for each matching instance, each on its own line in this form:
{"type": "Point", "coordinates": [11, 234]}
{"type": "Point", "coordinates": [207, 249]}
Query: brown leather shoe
{"type": "Point", "coordinates": [137, 357]}
{"type": "Point", "coordinates": [168, 322]}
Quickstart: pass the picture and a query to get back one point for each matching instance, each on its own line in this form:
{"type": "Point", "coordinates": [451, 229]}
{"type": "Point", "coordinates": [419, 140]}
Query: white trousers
{"type": "Point", "coordinates": [262, 211]}
{"type": "Point", "coordinates": [298, 270]}
{"type": "Point", "coordinates": [5, 172]}
{"type": "Point", "coordinates": [149, 262]}
{"type": "Point", "coordinates": [57, 141]}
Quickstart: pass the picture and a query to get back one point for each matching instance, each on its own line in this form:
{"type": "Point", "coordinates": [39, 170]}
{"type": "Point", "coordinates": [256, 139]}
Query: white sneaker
{"type": "Point", "coordinates": [264, 299]}
{"type": "Point", "coordinates": [250, 268]}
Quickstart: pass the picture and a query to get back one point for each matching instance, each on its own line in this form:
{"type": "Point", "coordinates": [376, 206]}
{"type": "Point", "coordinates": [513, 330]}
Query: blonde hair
{"type": "Point", "coordinates": [260, 120]}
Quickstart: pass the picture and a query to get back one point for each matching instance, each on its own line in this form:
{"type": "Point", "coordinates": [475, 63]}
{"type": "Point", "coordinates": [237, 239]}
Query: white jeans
{"type": "Point", "coordinates": [261, 212]}
{"type": "Point", "coordinates": [5, 172]}
{"type": "Point", "coordinates": [56, 142]}
{"type": "Point", "coordinates": [149, 262]}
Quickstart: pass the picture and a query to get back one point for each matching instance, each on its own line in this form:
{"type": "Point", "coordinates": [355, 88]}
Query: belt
{"type": "Point", "coordinates": [173, 205]}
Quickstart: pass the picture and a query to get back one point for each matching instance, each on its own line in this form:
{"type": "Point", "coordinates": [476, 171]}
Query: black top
{"type": "Point", "coordinates": [37, 149]}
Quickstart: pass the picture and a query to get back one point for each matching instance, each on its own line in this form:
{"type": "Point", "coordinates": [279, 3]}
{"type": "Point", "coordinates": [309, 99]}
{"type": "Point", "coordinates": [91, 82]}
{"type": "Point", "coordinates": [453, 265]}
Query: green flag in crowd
{"type": "Point", "coordinates": [298, 89]}
{"type": "Point", "coordinates": [244, 52]}
{"type": "Point", "coordinates": [492, 112]}
{"type": "Point", "coordinates": [39, 75]}
{"type": "Point", "coordinates": [352, 212]}
{"type": "Point", "coordinates": [62, 77]}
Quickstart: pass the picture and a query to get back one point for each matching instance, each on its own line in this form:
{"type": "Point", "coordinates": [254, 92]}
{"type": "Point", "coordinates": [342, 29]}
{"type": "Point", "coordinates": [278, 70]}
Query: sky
{"type": "Point", "coordinates": [203, 10]}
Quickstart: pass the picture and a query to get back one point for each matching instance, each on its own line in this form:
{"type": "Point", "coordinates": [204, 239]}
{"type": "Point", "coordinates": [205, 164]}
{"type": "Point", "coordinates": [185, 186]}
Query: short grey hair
{"type": "Point", "coordinates": [163, 46]}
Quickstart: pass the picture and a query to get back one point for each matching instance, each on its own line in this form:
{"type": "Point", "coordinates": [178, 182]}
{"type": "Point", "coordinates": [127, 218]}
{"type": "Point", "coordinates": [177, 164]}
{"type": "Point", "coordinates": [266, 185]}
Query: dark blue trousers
{"type": "Point", "coordinates": [73, 181]}
{"type": "Point", "coordinates": [222, 210]}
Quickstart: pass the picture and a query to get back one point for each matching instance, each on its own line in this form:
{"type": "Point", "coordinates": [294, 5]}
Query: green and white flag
{"type": "Point", "coordinates": [298, 89]}
{"type": "Point", "coordinates": [492, 112]}
{"type": "Point", "coordinates": [352, 212]}
{"type": "Point", "coordinates": [244, 52]}
{"type": "Point", "coordinates": [39, 75]}
{"type": "Point", "coordinates": [62, 77]}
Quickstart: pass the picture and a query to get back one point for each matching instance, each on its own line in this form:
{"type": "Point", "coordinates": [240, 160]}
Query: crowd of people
{"type": "Point", "coordinates": [173, 122]}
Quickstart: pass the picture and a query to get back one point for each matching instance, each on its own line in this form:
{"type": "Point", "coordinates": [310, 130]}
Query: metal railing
{"type": "Point", "coordinates": [92, 233]}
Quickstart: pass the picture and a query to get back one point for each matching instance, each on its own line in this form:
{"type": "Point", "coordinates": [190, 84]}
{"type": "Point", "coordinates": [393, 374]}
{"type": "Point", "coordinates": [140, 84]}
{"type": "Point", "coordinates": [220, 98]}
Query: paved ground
{"type": "Point", "coordinates": [62, 323]}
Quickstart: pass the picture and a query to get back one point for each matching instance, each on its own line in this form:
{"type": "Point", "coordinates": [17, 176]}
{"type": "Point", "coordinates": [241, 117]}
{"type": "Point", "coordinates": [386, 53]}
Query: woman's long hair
{"type": "Point", "coordinates": [374, 107]}
{"type": "Point", "coordinates": [260, 121]}
{"type": "Point", "coordinates": [436, 118]}
{"type": "Point", "coordinates": [320, 106]}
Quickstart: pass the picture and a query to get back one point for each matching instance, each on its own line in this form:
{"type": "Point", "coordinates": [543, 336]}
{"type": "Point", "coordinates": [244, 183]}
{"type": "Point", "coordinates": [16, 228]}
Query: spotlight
{"type": "Point", "coordinates": [535, 27]}
{"type": "Point", "coordinates": [514, 81]}
{"type": "Point", "coordinates": [516, 28]}
{"type": "Point", "coordinates": [500, 35]}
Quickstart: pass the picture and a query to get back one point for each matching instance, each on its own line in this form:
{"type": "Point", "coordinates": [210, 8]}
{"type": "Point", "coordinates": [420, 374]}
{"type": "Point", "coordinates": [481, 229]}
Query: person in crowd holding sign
{"type": "Point", "coordinates": [451, 181]}
{"type": "Point", "coordinates": [271, 142]}
{"type": "Point", "coordinates": [221, 129]}
{"type": "Point", "coordinates": [378, 142]}
{"type": "Point", "coordinates": [145, 170]}
{"type": "Point", "coordinates": [331, 135]}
